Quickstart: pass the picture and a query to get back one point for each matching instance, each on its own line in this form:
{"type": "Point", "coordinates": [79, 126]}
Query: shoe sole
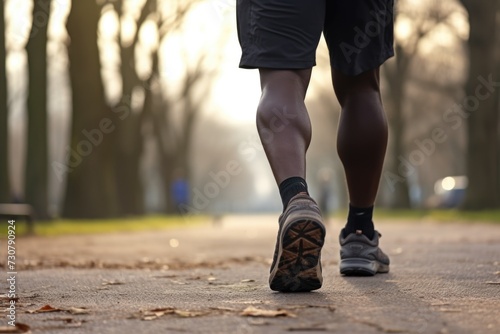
{"type": "Point", "coordinates": [362, 267]}
{"type": "Point", "coordinates": [298, 267]}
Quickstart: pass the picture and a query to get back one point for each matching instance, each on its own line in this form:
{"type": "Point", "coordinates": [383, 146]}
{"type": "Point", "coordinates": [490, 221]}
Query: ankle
{"type": "Point", "coordinates": [290, 188]}
{"type": "Point", "coordinates": [360, 219]}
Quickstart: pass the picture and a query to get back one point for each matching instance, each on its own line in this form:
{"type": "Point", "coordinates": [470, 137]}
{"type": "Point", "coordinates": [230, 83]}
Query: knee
{"type": "Point", "coordinates": [358, 86]}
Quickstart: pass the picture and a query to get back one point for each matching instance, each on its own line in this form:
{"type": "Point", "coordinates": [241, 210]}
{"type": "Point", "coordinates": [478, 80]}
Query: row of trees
{"type": "Point", "coordinates": [483, 135]}
{"type": "Point", "coordinates": [103, 166]}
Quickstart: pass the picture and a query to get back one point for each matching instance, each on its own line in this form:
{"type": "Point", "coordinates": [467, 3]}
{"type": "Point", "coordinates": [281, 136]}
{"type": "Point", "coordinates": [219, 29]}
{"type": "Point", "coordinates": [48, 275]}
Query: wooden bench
{"type": "Point", "coordinates": [12, 211]}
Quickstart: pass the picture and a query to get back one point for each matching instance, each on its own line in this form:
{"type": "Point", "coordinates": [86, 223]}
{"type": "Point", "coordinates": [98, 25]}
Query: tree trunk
{"type": "Point", "coordinates": [128, 143]}
{"type": "Point", "coordinates": [482, 123]}
{"type": "Point", "coordinates": [36, 190]}
{"type": "Point", "coordinates": [128, 137]}
{"type": "Point", "coordinates": [396, 177]}
{"type": "Point", "coordinates": [90, 191]}
{"type": "Point", "coordinates": [4, 172]}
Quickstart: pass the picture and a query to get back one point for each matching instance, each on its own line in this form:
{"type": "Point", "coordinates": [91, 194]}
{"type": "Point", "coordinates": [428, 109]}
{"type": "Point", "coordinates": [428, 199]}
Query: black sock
{"type": "Point", "coordinates": [291, 187]}
{"type": "Point", "coordinates": [360, 219]}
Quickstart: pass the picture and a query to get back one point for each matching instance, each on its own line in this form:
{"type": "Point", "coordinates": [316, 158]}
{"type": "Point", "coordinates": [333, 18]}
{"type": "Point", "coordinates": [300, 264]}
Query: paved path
{"type": "Point", "coordinates": [445, 278]}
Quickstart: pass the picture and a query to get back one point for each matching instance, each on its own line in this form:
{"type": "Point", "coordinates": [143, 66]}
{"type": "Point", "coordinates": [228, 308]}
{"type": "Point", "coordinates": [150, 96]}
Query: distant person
{"type": "Point", "coordinates": [280, 37]}
{"type": "Point", "coordinates": [180, 191]}
{"type": "Point", "coordinates": [324, 180]}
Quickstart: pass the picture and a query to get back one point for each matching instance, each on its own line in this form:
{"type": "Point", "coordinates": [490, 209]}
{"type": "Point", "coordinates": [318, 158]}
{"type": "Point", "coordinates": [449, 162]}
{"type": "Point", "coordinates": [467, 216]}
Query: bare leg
{"type": "Point", "coordinates": [285, 131]}
{"type": "Point", "coordinates": [362, 135]}
{"type": "Point", "coordinates": [283, 122]}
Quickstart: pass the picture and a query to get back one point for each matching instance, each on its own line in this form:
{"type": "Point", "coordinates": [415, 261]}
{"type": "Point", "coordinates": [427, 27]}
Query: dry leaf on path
{"type": "Point", "coordinates": [190, 314]}
{"type": "Point", "coordinates": [165, 276]}
{"type": "Point", "coordinates": [449, 310]}
{"type": "Point", "coordinates": [78, 310]}
{"type": "Point", "coordinates": [247, 280]}
{"type": "Point", "coordinates": [256, 312]}
{"type": "Point", "coordinates": [45, 309]}
{"type": "Point", "coordinates": [440, 304]}
{"type": "Point", "coordinates": [113, 282]}
{"type": "Point", "coordinates": [492, 282]}
{"type": "Point", "coordinates": [155, 313]}
{"type": "Point", "coordinates": [18, 328]}
{"type": "Point", "coordinates": [160, 312]}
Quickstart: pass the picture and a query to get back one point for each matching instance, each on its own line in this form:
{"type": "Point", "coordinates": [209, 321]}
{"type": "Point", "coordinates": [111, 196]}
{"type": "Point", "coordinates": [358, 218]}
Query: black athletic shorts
{"type": "Point", "coordinates": [284, 34]}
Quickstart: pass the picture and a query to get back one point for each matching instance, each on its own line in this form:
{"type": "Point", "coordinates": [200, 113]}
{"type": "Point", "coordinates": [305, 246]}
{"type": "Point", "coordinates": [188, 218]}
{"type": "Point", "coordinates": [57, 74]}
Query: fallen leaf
{"type": "Point", "coordinates": [72, 310]}
{"type": "Point", "coordinates": [178, 282]}
{"type": "Point", "coordinates": [45, 309]}
{"type": "Point", "coordinates": [443, 309]}
{"type": "Point", "coordinates": [163, 309]}
{"type": "Point", "coordinates": [492, 282]}
{"type": "Point", "coordinates": [78, 310]}
{"type": "Point", "coordinates": [189, 314]}
{"type": "Point", "coordinates": [247, 280]}
{"type": "Point", "coordinates": [160, 312]}
{"type": "Point", "coordinates": [211, 279]}
{"type": "Point", "coordinates": [256, 312]}
{"type": "Point", "coordinates": [397, 251]}
{"type": "Point", "coordinates": [18, 328]}
{"type": "Point", "coordinates": [113, 282]}
{"type": "Point", "coordinates": [497, 273]}
{"type": "Point", "coordinates": [165, 276]}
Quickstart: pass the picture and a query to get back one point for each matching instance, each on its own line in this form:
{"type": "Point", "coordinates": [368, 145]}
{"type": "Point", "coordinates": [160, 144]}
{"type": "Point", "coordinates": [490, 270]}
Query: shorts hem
{"type": "Point", "coordinates": [357, 69]}
{"type": "Point", "coordinates": [276, 64]}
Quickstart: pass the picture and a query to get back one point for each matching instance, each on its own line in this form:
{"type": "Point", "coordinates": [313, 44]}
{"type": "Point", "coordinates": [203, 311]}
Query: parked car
{"type": "Point", "coordinates": [449, 192]}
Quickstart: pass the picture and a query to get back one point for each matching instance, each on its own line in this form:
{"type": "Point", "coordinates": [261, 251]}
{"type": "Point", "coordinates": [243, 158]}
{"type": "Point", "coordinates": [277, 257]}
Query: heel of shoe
{"type": "Point", "coordinates": [358, 267]}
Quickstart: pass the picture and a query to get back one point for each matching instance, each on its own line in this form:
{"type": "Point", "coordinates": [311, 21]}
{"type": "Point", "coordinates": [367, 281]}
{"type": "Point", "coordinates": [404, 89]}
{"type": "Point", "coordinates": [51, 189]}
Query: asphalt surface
{"type": "Point", "coordinates": [444, 278]}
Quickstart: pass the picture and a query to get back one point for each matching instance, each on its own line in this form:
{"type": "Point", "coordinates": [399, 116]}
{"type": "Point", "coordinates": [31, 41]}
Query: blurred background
{"type": "Point", "coordinates": [131, 107]}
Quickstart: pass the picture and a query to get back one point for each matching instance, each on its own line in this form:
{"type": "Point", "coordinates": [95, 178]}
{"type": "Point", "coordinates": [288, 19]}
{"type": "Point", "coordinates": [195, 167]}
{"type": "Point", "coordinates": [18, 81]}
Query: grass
{"type": "Point", "coordinates": [100, 226]}
{"type": "Point", "coordinates": [487, 216]}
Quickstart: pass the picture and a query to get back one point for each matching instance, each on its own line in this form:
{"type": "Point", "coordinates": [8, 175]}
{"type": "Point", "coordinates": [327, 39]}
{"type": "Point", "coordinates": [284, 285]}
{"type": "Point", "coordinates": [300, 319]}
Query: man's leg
{"type": "Point", "coordinates": [285, 131]}
{"type": "Point", "coordinates": [284, 127]}
{"type": "Point", "coordinates": [361, 144]}
{"type": "Point", "coordinates": [280, 39]}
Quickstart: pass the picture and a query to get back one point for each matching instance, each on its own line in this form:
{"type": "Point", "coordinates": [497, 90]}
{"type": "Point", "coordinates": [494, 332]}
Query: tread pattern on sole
{"type": "Point", "coordinates": [300, 257]}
